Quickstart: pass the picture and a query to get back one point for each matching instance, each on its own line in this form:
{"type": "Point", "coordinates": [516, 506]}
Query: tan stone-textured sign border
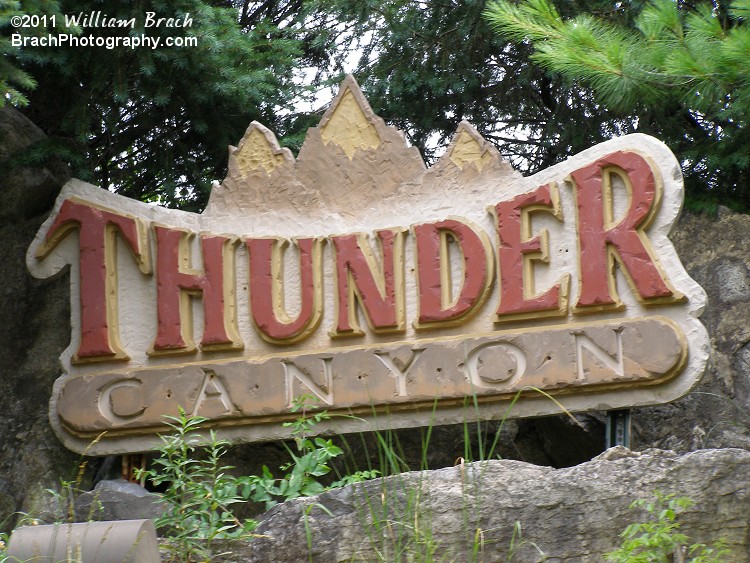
{"type": "Point", "coordinates": [355, 183]}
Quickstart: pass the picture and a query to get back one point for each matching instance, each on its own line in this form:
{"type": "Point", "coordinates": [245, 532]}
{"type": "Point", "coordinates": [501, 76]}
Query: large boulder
{"type": "Point", "coordinates": [509, 510]}
{"type": "Point", "coordinates": [35, 327]}
{"type": "Point", "coordinates": [716, 414]}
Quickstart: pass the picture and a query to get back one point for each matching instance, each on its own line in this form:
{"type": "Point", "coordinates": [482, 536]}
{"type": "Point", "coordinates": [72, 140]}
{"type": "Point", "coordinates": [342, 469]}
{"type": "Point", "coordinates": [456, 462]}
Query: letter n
{"type": "Point", "coordinates": [379, 291]}
{"type": "Point", "coordinates": [292, 372]}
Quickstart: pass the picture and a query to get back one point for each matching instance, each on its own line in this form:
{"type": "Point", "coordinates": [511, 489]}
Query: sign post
{"type": "Point", "coordinates": [618, 428]}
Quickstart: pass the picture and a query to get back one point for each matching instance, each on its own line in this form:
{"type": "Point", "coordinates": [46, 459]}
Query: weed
{"type": "Point", "coordinates": [399, 522]}
{"type": "Point", "coordinates": [4, 538]}
{"type": "Point", "coordinates": [517, 542]}
{"type": "Point", "coordinates": [308, 464]}
{"type": "Point", "coordinates": [64, 498]}
{"type": "Point", "coordinates": [659, 540]}
{"type": "Point", "coordinates": [199, 491]}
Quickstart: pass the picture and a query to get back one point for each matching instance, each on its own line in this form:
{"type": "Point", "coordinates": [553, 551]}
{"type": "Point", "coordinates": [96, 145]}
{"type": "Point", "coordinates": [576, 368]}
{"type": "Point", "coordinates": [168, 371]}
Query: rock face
{"type": "Point", "coordinates": [717, 412]}
{"type": "Point", "coordinates": [492, 510]}
{"type": "Point", "coordinates": [118, 500]}
{"type": "Point", "coordinates": [35, 327]}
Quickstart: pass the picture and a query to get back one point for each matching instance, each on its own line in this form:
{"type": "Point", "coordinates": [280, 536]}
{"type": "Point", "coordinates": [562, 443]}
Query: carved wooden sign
{"type": "Point", "coordinates": [400, 294]}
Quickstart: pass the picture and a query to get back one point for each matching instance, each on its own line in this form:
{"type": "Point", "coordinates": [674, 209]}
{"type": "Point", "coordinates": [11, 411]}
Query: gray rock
{"type": "Point", "coordinates": [7, 507]}
{"type": "Point", "coordinates": [27, 191]}
{"type": "Point", "coordinates": [118, 500]}
{"type": "Point", "coordinates": [488, 511]}
{"type": "Point", "coordinates": [731, 277]}
{"type": "Point", "coordinates": [716, 414]}
{"type": "Point", "coordinates": [34, 331]}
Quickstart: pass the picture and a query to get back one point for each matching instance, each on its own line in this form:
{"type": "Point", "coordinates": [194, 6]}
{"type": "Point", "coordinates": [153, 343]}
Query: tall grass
{"type": "Point", "coordinates": [398, 515]}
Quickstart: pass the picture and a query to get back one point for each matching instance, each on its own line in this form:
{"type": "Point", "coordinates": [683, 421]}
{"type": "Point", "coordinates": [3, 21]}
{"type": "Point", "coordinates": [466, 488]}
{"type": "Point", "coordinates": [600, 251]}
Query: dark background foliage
{"type": "Point", "coordinates": [155, 124]}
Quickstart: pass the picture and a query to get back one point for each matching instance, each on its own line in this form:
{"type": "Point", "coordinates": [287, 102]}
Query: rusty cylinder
{"type": "Point", "coordinates": [123, 541]}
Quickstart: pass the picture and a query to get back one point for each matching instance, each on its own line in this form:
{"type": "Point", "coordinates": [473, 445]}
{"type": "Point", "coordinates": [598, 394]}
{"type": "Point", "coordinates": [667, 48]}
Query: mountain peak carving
{"type": "Point", "coordinates": [350, 163]}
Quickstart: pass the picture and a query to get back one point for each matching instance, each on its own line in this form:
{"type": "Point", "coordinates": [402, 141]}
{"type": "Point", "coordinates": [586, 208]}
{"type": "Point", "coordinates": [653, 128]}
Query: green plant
{"type": "Point", "coordinates": [308, 464]}
{"type": "Point", "coordinates": [301, 478]}
{"type": "Point", "coordinates": [678, 68]}
{"type": "Point", "coordinates": [59, 504]}
{"type": "Point", "coordinates": [517, 542]}
{"type": "Point", "coordinates": [659, 540]}
{"type": "Point", "coordinates": [62, 509]}
{"type": "Point", "coordinates": [4, 538]}
{"type": "Point", "coordinates": [65, 499]}
{"type": "Point", "coordinates": [199, 491]}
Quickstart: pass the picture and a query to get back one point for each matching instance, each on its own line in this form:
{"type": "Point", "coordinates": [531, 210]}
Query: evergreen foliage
{"type": "Point", "coordinates": [11, 77]}
{"type": "Point", "coordinates": [679, 67]}
{"type": "Point", "coordinates": [154, 124]}
{"type": "Point", "coordinates": [425, 66]}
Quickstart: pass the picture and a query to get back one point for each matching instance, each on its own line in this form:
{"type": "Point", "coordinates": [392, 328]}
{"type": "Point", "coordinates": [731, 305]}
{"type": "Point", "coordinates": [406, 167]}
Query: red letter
{"type": "Point", "coordinates": [515, 251]}
{"type": "Point", "coordinates": [380, 295]}
{"type": "Point", "coordinates": [267, 289]}
{"type": "Point", "coordinates": [174, 287]}
{"type": "Point", "coordinates": [602, 241]}
{"type": "Point", "coordinates": [97, 230]}
{"type": "Point", "coordinates": [436, 304]}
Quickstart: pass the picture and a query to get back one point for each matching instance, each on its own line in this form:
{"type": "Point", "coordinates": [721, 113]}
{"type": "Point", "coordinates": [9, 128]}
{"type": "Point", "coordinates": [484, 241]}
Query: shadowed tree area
{"type": "Point", "coordinates": [425, 66]}
{"type": "Point", "coordinates": [154, 124]}
{"type": "Point", "coordinates": [678, 67]}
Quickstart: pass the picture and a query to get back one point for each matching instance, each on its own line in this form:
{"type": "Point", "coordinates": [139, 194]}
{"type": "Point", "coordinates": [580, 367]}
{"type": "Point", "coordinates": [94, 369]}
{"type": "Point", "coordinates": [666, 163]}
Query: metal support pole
{"type": "Point", "coordinates": [618, 428]}
{"type": "Point", "coordinates": [131, 462]}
